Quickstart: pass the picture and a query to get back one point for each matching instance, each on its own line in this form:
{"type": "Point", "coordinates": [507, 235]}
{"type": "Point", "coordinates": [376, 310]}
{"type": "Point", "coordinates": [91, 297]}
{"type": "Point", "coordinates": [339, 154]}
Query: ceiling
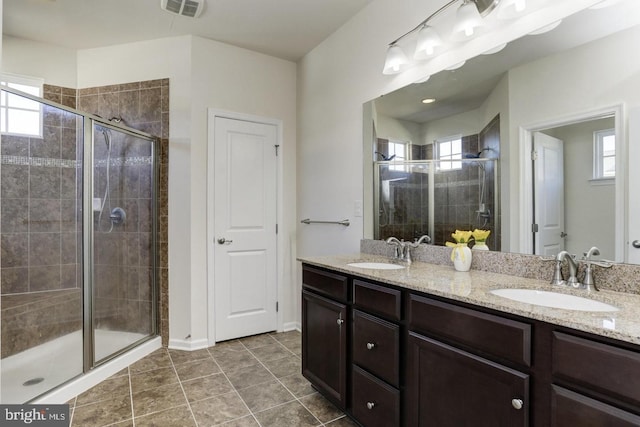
{"type": "Point", "coordinates": [286, 29]}
{"type": "Point", "coordinates": [467, 88]}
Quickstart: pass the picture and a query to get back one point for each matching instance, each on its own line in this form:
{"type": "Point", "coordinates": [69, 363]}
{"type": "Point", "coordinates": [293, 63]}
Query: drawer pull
{"type": "Point", "coordinates": [370, 405]}
{"type": "Point", "coordinates": [370, 346]}
{"type": "Point", "coordinates": [517, 403]}
{"type": "Point", "coordinates": [339, 322]}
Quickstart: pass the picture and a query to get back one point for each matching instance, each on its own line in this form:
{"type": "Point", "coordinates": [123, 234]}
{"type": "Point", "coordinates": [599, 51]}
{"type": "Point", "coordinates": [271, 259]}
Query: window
{"type": "Point", "coordinates": [449, 150]}
{"type": "Point", "coordinates": [604, 154]}
{"type": "Point", "coordinates": [400, 150]}
{"type": "Point", "coordinates": [19, 115]}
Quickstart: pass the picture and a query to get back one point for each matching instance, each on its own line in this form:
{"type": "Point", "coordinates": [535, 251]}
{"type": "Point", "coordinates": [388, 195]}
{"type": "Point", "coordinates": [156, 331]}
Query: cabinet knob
{"type": "Point", "coordinates": [370, 346]}
{"type": "Point", "coordinates": [517, 403]}
{"type": "Point", "coordinates": [370, 405]}
{"type": "Point", "coordinates": [636, 244]}
{"type": "Point", "coordinates": [339, 322]}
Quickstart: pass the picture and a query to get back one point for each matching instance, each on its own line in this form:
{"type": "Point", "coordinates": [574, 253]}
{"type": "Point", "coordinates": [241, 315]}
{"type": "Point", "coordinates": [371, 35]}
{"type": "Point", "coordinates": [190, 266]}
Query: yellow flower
{"type": "Point", "coordinates": [461, 236]}
{"type": "Point", "coordinates": [480, 235]}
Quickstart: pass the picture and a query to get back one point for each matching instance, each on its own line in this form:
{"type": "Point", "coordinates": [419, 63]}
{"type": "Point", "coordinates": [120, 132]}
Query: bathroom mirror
{"type": "Point", "coordinates": [573, 84]}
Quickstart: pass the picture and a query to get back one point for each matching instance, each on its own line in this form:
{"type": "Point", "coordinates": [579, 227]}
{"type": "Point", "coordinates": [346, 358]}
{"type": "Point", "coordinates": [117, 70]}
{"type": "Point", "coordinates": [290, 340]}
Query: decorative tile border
{"type": "Point", "coordinates": [73, 164]}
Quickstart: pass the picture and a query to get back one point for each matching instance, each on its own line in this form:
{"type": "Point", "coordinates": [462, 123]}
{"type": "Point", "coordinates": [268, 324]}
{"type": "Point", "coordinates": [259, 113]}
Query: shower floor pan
{"type": "Point", "coordinates": [35, 371]}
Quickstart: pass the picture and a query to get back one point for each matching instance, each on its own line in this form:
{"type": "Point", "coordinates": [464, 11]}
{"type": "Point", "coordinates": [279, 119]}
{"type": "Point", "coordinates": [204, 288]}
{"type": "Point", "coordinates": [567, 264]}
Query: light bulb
{"type": "Point", "coordinates": [428, 41]}
{"type": "Point", "coordinates": [396, 61]}
{"type": "Point", "coordinates": [468, 20]}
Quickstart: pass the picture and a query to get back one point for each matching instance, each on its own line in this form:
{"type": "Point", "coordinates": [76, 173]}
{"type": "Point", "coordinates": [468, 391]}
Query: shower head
{"type": "Point", "coordinates": [385, 158]}
{"type": "Point", "coordinates": [478, 154]}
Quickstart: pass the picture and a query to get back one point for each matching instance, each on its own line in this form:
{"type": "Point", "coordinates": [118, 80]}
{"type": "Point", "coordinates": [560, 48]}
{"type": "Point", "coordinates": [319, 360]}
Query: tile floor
{"type": "Point", "coordinates": [252, 381]}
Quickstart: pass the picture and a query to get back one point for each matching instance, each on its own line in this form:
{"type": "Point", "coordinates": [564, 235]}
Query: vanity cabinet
{"type": "Point", "coordinates": [452, 386]}
{"type": "Point", "coordinates": [375, 348]}
{"type": "Point", "coordinates": [594, 383]}
{"type": "Point", "coordinates": [390, 356]}
{"type": "Point", "coordinates": [324, 341]}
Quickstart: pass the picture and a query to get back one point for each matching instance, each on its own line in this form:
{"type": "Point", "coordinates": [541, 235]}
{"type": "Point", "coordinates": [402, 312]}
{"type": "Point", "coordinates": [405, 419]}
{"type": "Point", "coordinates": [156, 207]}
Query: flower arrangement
{"type": "Point", "coordinates": [480, 236]}
{"type": "Point", "coordinates": [462, 239]}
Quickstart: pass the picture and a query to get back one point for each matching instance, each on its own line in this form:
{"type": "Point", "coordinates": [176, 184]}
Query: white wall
{"type": "Point", "coordinates": [590, 77]}
{"type": "Point", "coordinates": [463, 124]}
{"type": "Point", "coordinates": [589, 206]}
{"type": "Point", "coordinates": [239, 80]}
{"type": "Point", "coordinates": [55, 64]}
{"type": "Point", "coordinates": [396, 129]}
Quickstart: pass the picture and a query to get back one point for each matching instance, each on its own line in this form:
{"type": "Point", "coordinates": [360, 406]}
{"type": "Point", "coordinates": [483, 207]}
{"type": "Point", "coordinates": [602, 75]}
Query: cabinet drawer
{"type": "Point", "coordinates": [503, 338]}
{"type": "Point", "coordinates": [569, 409]}
{"type": "Point", "coordinates": [374, 403]}
{"type": "Point", "coordinates": [606, 369]}
{"type": "Point", "coordinates": [376, 346]}
{"type": "Point", "coordinates": [381, 300]}
{"type": "Point", "coordinates": [330, 284]}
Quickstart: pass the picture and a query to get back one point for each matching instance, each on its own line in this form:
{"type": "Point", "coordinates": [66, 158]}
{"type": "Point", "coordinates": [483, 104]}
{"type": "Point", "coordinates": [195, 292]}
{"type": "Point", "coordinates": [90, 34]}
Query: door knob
{"type": "Point", "coordinates": [223, 241]}
{"type": "Point", "coordinates": [563, 234]}
{"type": "Point", "coordinates": [636, 244]}
{"type": "Point", "coordinates": [517, 403]}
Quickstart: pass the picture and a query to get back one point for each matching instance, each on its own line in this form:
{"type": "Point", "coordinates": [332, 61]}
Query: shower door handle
{"type": "Point", "coordinates": [223, 241]}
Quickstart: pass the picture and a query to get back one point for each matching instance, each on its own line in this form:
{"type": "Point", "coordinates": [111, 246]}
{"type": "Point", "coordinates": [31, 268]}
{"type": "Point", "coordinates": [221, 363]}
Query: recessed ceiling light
{"type": "Point", "coordinates": [428, 100]}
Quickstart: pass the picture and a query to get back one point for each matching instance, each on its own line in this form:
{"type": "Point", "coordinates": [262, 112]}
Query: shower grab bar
{"type": "Point", "coordinates": [344, 222]}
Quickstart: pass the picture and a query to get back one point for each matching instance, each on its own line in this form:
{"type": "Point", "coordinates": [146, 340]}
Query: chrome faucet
{"type": "Point", "coordinates": [573, 270]}
{"type": "Point", "coordinates": [403, 249]}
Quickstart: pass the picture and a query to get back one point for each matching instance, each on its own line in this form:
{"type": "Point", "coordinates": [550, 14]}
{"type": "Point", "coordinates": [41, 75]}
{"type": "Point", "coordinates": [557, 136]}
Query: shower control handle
{"type": "Point", "coordinates": [223, 241]}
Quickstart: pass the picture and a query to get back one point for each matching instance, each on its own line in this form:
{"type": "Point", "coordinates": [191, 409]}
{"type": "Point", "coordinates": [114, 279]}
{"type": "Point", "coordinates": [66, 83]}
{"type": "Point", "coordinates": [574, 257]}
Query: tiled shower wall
{"type": "Point", "coordinates": [39, 209]}
{"type": "Point", "coordinates": [456, 194]}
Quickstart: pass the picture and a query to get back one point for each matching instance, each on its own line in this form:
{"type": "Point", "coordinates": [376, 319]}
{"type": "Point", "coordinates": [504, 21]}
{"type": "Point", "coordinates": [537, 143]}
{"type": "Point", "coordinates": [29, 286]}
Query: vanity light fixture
{"type": "Point", "coordinates": [428, 100]}
{"type": "Point", "coordinates": [396, 61]}
{"type": "Point", "coordinates": [468, 22]}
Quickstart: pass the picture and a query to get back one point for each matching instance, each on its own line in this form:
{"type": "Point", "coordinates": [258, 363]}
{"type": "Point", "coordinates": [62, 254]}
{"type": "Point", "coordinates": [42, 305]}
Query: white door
{"type": "Point", "coordinates": [633, 239]}
{"type": "Point", "coordinates": [548, 194]}
{"type": "Point", "coordinates": [244, 228]}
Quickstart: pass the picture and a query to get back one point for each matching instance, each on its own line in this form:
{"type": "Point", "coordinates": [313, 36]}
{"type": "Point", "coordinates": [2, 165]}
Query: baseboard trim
{"type": "Point", "coordinates": [188, 345]}
{"type": "Point", "coordinates": [291, 326]}
{"type": "Point", "coordinates": [83, 383]}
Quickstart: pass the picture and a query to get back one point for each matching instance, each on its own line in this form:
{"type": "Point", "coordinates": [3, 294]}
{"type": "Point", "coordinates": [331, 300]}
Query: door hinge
{"type": "Point", "coordinates": [277, 146]}
{"type": "Point", "coordinates": [276, 306]}
{"type": "Point", "coordinates": [534, 155]}
{"type": "Point", "coordinates": [534, 228]}
{"type": "Point", "coordinates": [276, 228]}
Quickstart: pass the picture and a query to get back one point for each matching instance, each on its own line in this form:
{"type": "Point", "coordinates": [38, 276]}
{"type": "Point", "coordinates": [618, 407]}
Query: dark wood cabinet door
{"type": "Point", "coordinates": [569, 409]}
{"type": "Point", "coordinates": [324, 345]}
{"type": "Point", "coordinates": [450, 387]}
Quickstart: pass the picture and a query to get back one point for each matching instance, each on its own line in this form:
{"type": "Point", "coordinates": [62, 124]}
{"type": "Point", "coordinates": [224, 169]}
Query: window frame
{"type": "Point", "coordinates": [390, 152]}
{"type": "Point", "coordinates": [599, 156]}
{"type": "Point", "coordinates": [453, 162]}
{"type": "Point", "coordinates": [7, 80]}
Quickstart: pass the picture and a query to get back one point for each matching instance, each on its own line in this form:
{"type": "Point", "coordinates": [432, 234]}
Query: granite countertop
{"type": "Point", "coordinates": [474, 287]}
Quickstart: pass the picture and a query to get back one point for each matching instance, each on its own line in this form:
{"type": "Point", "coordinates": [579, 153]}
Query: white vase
{"type": "Point", "coordinates": [462, 258]}
{"type": "Point", "coordinates": [480, 247]}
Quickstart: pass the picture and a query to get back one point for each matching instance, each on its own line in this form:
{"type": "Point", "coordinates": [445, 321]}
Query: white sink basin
{"type": "Point", "coordinates": [376, 265]}
{"type": "Point", "coordinates": [553, 299]}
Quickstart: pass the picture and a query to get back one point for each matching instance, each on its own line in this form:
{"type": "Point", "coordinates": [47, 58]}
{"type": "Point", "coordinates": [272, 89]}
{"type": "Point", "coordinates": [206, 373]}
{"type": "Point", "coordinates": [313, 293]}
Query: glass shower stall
{"type": "Point", "coordinates": [78, 262]}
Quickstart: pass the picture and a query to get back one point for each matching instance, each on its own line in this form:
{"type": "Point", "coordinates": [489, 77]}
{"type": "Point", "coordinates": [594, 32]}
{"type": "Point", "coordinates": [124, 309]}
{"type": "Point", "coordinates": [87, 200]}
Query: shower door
{"type": "Point", "coordinates": [123, 240]}
{"type": "Point", "coordinates": [41, 257]}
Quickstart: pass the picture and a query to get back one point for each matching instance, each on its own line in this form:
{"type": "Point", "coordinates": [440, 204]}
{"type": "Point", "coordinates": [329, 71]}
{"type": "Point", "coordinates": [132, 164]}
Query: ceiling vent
{"type": "Point", "coordinates": [190, 8]}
